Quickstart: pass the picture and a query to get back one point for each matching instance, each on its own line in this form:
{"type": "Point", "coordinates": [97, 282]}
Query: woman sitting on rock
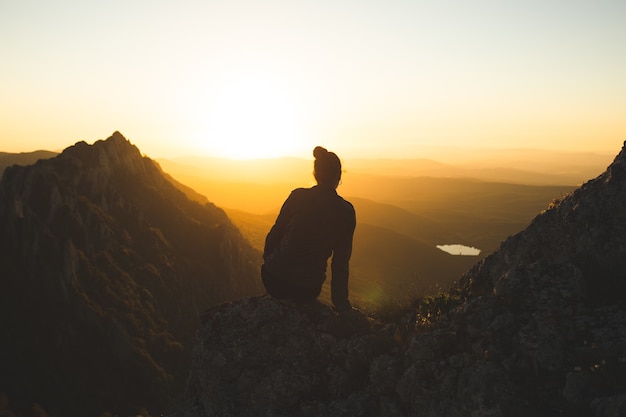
{"type": "Point", "coordinates": [313, 225]}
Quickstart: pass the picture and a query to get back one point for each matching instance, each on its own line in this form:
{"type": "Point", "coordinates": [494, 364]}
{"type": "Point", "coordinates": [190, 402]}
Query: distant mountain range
{"type": "Point", "coordinates": [24, 158]}
{"type": "Point", "coordinates": [105, 266]}
{"type": "Point", "coordinates": [259, 186]}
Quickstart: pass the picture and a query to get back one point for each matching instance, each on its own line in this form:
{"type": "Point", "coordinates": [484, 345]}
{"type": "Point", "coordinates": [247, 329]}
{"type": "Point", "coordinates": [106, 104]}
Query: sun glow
{"type": "Point", "coordinates": [252, 117]}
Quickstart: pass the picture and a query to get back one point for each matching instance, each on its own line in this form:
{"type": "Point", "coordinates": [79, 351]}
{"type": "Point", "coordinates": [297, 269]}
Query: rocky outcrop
{"type": "Point", "coordinates": [537, 328]}
{"type": "Point", "coordinates": [105, 268]}
{"type": "Point", "coordinates": [260, 354]}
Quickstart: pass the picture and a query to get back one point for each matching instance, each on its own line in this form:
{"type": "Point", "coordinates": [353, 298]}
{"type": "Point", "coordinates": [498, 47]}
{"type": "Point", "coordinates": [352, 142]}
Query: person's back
{"type": "Point", "coordinates": [313, 225]}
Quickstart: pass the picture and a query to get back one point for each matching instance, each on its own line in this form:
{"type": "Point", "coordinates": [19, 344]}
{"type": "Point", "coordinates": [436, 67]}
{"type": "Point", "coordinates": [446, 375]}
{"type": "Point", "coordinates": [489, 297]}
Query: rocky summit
{"type": "Point", "coordinates": [538, 328]}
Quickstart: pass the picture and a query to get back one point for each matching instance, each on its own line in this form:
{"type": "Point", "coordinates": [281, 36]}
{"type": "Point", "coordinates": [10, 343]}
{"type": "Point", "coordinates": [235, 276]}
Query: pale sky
{"type": "Point", "coordinates": [267, 78]}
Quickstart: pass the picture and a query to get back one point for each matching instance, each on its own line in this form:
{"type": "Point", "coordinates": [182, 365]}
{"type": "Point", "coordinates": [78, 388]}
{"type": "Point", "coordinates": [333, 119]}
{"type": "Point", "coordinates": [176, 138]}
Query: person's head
{"type": "Point", "coordinates": [327, 167]}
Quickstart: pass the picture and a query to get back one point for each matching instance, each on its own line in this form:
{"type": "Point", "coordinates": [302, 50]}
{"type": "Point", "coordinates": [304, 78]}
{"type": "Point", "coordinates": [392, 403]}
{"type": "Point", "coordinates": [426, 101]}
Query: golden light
{"type": "Point", "coordinates": [252, 117]}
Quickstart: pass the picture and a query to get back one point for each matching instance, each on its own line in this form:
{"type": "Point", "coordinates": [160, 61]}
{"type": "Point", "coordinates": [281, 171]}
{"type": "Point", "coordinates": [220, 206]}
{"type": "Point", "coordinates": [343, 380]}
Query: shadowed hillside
{"type": "Point", "coordinates": [105, 266]}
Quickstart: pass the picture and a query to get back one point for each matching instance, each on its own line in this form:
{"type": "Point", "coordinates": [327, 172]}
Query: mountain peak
{"type": "Point", "coordinates": [113, 157]}
{"type": "Point", "coordinates": [115, 145]}
{"type": "Point", "coordinates": [118, 143]}
{"type": "Point", "coordinates": [117, 135]}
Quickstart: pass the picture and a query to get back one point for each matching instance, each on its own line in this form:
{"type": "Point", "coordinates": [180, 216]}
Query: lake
{"type": "Point", "coordinates": [459, 250]}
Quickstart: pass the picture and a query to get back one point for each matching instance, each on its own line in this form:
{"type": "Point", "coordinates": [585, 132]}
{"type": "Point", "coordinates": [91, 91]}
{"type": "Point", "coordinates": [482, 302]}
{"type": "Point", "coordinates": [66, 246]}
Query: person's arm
{"type": "Point", "coordinates": [279, 229]}
{"type": "Point", "coordinates": [340, 267]}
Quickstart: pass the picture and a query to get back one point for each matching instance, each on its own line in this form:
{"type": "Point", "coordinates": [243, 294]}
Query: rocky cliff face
{"type": "Point", "coordinates": [105, 265]}
{"type": "Point", "coordinates": [536, 329]}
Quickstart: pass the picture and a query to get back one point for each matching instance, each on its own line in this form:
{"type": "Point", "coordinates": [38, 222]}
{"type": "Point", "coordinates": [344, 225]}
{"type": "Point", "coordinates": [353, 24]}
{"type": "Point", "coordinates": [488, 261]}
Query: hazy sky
{"type": "Point", "coordinates": [262, 78]}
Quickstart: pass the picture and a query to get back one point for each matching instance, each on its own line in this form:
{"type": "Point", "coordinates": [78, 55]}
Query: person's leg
{"type": "Point", "coordinates": [272, 285]}
{"type": "Point", "coordinates": [284, 290]}
{"type": "Point", "coordinates": [303, 294]}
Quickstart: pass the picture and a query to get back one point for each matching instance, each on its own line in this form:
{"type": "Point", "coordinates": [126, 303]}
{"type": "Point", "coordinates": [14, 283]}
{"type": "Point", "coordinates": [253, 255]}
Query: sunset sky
{"type": "Point", "coordinates": [268, 78]}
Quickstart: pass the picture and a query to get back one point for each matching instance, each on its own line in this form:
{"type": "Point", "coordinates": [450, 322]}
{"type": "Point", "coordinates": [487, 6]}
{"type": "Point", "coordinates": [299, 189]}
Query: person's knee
{"type": "Point", "coordinates": [272, 287]}
{"type": "Point", "coordinates": [281, 289]}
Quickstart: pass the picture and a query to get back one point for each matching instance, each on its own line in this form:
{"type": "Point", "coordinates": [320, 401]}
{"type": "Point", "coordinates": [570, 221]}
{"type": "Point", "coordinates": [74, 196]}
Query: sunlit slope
{"type": "Point", "coordinates": [254, 227]}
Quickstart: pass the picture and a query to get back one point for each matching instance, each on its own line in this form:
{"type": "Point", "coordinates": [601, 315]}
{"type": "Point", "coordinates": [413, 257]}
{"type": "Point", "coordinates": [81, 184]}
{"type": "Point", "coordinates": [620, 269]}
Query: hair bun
{"type": "Point", "coordinates": [319, 152]}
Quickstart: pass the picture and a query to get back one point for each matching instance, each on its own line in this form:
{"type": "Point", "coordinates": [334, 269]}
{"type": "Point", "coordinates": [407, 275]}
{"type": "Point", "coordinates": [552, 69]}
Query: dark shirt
{"type": "Point", "coordinates": [313, 224]}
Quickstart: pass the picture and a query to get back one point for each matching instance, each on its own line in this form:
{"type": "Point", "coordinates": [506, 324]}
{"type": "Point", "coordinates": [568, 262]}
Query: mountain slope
{"type": "Point", "coordinates": [105, 266]}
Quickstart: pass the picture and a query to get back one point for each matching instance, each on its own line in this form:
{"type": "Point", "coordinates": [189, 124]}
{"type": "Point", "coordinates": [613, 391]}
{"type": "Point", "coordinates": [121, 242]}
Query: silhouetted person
{"type": "Point", "coordinates": [313, 225]}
